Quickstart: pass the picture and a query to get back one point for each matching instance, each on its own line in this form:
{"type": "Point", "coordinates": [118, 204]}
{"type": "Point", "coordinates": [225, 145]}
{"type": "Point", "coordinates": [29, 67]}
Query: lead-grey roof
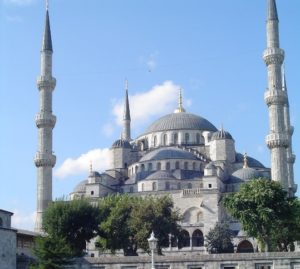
{"type": "Point", "coordinates": [121, 143]}
{"type": "Point", "coordinates": [47, 40]}
{"type": "Point", "coordinates": [80, 187]}
{"type": "Point", "coordinates": [181, 121]}
{"type": "Point", "coordinates": [161, 175]}
{"type": "Point", "coordinates": [221, 135]}
{"type": "Point", "coordinates": [251, 161]}
{"type": "Point", "coordinates": [168, 153]}
{"type": "Point", "coordinates": [246, 174]}
{"type": "Point", "coordinates": [272, 10]}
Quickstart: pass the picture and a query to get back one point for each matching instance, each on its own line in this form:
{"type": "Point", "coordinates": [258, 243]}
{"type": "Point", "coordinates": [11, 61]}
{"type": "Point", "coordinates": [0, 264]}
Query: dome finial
{"type": "Point", "coordinates": [245, 161]}
{"type": "Point", "coordinates": [180, 108]}
{"type": "Point", "coordinates": [47, 4]}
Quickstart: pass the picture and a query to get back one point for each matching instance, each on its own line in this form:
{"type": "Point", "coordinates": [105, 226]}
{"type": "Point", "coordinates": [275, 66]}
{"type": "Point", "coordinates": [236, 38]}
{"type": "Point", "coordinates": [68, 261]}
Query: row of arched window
{"type": "Point", "coordinates": [167, 186]}
{"type": "Point", "coordinates": [168, 139]}
{"type": "Point", "coordinates": [158, 166]}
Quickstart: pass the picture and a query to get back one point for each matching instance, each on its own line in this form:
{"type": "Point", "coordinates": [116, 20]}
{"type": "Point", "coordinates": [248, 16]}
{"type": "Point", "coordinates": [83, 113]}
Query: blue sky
{"type": "Point", "coordinates": [212, 49]}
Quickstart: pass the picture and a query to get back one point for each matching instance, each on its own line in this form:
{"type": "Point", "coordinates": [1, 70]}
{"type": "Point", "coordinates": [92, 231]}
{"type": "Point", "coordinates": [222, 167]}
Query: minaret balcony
{"type": "Point", "coordinates": [291, 159]}
{"type": "Point", "coordinates": [46, 83]}
{"type": "Point", "coordinates": [45, 120]}
{"type": "Point", "coordinates": [44, 159]}
{"type": "Point", "coordinates": [273, 56]}
{"type": "Point", "coordinates": [275, 97]}
{"type": "Point", "coordinates": [277, 140]}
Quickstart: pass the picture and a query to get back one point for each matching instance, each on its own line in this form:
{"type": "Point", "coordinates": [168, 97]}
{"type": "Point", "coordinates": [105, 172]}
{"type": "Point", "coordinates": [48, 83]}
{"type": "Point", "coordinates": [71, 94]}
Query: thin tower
{"type": "Point", "coordinates": [279, 137]}
{"type": "Point", "coordinates": [45, 122]}
{"type": "Point", "coordinates": [126, 117]}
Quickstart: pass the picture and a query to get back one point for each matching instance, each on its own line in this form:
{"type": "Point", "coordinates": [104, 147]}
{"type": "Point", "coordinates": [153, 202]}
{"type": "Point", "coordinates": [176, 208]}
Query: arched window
{"type": "Point", "coordinates": [155, 141]}
{"type": "Point", "coordinates": [190, 186]}
{"type": "Point", "coordinates": [131, 189]}
{"type": "Point", "coordinates": [187, 138]}
{"type": "Point", "coordinates": [178, 186]}
{"type": "Point", "coordinates": [154, 186]}
{"type": "Point", "coordinates": [149, 166]}
{"type": "Point", "coordinates": [158, 167]}
{"type": "Point", "coordinates": [177, 165]}
{"type": "Point", "coordinates": [184, 239]}
{"type": "Point", "coordinates": [194, 166]}
{"type": "Point", "coordinates": [165, 139]}
{"type": "Point", "coordinates": [142, 167]}
{"type": "Point", "coordinates": [143, 187]}
{"type": "Point", "coordinates": [168, 166]}
{"type": "Point", "coordinates": [1, 222]}
{"type": "Point", "coordinates": [175, 138]}
{"type": "Point", "coordinates": [167, 185]}
{"type": "Point", "coordinates": [136, 169]}
{"type": "Point", "coordinates": [197, 238]}
{"type": "Point", "coordinates": [186, 165]}
{"type": "Point", "coordinates": [198, 139]}
{"type": "Point", "coordinates": [245, 247]}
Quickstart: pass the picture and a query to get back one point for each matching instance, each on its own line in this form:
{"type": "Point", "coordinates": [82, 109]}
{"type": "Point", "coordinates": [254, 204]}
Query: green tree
{"type": "Point", "coordinates": [128, 222]}
{"type": "Point", "coordinates": [157, 215]}
{"type": "Point", "coordinates": [219, 239]}
{"type": "Point", "coordinates": [74, 221]}
{"type": "Point", "coordinates": [265, 212]}
{"type": "Point", "coordinates": [114, 231]}
{"type": "Point", "coordinates": [52, 253]}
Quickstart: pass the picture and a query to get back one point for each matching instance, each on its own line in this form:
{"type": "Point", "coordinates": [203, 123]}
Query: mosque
{"type": "Point", "coordinates": [180, 154]}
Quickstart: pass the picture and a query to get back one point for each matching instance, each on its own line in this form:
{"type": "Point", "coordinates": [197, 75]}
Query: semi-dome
{"type": "Point", "coordinates": [181, 121]}
{"type": "Point", "coordinates": [239, 158]}
{"type": "Point", "coordinates": [210, 166]}
{"type": "Point", "coordinates": [94, 174]}
{"type": "Point", "coordinates": [80, 187]}
{"type": "Point", "coordinates": [246, 173]}
{"type": "Point", "coordinates": [161, 175]}
{"type": "Point", "coordinates": [168, 153]}
{"type": "Point", "coordinates": [121, 143]}
{"type": "Point", "coordinates": [221, 134]}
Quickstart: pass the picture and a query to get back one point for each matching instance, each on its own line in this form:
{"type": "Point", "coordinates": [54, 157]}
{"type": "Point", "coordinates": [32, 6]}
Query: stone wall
{"type": "Point", "coordinates": [290, 260]}
{"type": "Point", "coordinates": [8, 248]}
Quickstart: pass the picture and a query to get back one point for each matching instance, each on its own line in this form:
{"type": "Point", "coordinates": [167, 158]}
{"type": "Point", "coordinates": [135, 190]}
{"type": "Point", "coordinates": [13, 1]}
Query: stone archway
{"type": "Point", "coordinates": [245, 247]}
{"type": "Point", "coordinates": [197, 238]}
{"type": "Point", "coordinates": [184, 239]}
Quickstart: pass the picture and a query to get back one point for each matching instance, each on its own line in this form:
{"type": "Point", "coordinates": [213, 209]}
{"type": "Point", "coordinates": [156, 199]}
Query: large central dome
{"type": "Point", "coordinates": [181, 121]}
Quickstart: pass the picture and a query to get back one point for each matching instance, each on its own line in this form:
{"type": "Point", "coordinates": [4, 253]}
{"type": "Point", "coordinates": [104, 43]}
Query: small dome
{"type": "Point", "coordinates": [246, 174]}
{"type": "Point", "coordinates": [121, 143]}
{"type": "Point", "coordinates": [221, 135]}
{"type": "Point", "coordinates": [210, 166]}
{"type": "Point", "coordinates": [80, 187]}
{"type": "Point", "coordinates": [181, 121]}
{"type": "Point", "coordinates": [168, 153]}
{"type": "Point", "coordinates": [161, 175]}
{"type": "Point", "coordinates": [239, 158]}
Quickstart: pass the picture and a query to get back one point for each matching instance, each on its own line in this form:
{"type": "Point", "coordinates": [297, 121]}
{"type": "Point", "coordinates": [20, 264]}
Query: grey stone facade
{"type": "Point", "coordinates": [8, 241]}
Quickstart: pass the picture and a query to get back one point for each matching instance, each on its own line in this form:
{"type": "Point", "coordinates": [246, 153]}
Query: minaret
{"type": "Point", "coordinates": [290, 130]}
{"type": "Point", "coordinates": [45, 122]}
{"type": "Point", "coordinates": [276, 99]}
{"type": "Point", "coordinates": [126, 117]}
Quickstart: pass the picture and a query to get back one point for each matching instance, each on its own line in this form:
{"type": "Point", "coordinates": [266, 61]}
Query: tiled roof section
{"type": "Point", "coordinates": [80, 187]}
{"type": "Point", "coordinates": [168, 153]}
{"type": "Point", "coordinates": [251, 161]}
{"type": "Point", "coordinates": [246, 174]}
{"type": "Point", "coordinates": [47, 41]}
{"type": "Point", "coordinates": [221, 135]}
{"type": "Point", "coordinates": [181, 121]}
{"type": "Point", "coordinates": [161, 175]}
{"type": "Point", "coordinates": [121, 143]}
{"type": "Point", "coordinates": [272, 10]}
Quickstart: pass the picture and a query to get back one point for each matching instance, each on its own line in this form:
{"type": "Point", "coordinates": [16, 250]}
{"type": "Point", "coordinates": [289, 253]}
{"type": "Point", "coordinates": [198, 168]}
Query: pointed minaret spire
{"type": "Point", "coordinates": [180, 108]}
{"type": "Point", "coordinates": [276, 98]}
{"type": "Point", "coordinates": [272, 10]}
{"type": "Point", "coordinates": [47, 40]}
{"type": "Point", "coordinates": [45, 122]}
{"type": "Point", "coordinates": [126, 117]}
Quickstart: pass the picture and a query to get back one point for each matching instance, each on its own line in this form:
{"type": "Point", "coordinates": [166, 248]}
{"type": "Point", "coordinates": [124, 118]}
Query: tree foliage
{"type": "Point", "coordinates": [128, 222]}
{"type": "Point", "coordinates": [74, 221]}
{"type": "Point", "coordinates": [219, 239]}
{"type": "Point", "coordinates": [266, 213]}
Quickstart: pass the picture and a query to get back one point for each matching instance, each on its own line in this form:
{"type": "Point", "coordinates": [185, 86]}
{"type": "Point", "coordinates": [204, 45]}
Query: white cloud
{"type": "Point", "coordinates": [23, 220]}
{"type": "Point", "coordinates": [261, 149]}
{"type": "Point", "coordinates": [14, 18]}
{"type": "Point", "coordinates": [108, 129]}
{"type": "Point", "coordinates": [161, 99]}
{"type": "Point", "coordinates": [98, 157]}
{"type": "Point", "coordinates": [19, 2]}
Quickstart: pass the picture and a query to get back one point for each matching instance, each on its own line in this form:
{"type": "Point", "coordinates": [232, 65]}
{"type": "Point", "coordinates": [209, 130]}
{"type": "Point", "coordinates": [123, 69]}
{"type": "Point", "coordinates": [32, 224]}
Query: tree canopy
{"type": "Point", "coordinates": [219, 239]}
{"type": "Point", "coordinates": [266, 213]}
